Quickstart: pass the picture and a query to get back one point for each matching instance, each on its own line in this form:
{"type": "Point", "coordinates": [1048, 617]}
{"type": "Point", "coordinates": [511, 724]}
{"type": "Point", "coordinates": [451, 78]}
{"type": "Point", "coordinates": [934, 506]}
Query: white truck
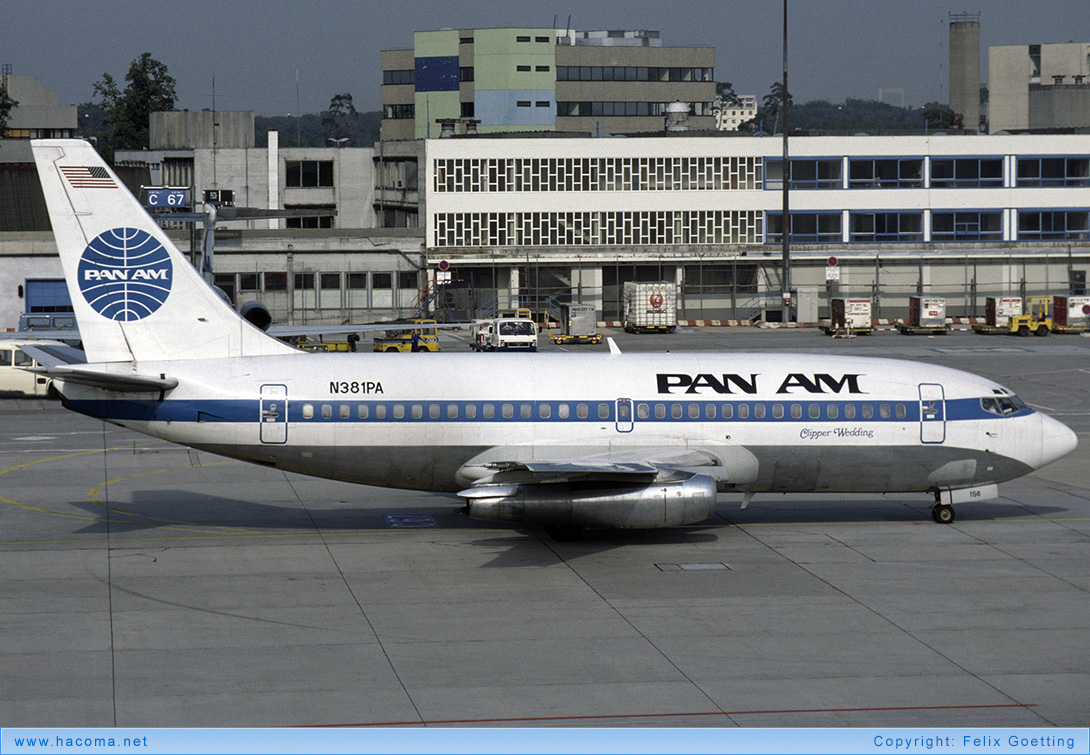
{"type": "Point", "coordinates": [649, 307]}
{"type": "Point", "coordinates": [504, 334]}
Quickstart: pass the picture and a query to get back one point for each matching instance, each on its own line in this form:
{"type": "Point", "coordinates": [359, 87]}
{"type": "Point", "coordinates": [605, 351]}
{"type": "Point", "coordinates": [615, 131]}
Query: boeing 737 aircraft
{"type": "Point", "coordinates": [568, 441]}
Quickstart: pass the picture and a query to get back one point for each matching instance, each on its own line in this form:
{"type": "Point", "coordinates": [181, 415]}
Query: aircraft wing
{"type": "Point", "coordinates": [632, 467]}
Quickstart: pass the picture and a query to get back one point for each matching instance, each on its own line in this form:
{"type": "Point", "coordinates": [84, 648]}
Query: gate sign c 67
{"type": "Point", "coordinates": [169, 198]}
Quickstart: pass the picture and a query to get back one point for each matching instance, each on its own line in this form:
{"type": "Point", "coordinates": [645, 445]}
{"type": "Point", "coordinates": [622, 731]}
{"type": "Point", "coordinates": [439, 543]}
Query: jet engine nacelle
{"type": "Point", "coordinates": [257, 314]}
{"type": "Point", "coordinates": [665, 504]}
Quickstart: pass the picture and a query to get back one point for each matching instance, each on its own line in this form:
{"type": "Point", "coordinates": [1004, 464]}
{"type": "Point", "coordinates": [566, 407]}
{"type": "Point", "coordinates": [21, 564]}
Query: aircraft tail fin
{"type": "Point", "coordinates": [135, 295]}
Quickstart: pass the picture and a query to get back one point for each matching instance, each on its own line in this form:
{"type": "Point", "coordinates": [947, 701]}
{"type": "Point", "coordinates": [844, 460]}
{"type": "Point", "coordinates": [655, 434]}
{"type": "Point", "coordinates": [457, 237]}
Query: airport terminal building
{"type": "Point", "coordinates": [542, 220]}
{"type": "Point", "coordinates": [960, 216]}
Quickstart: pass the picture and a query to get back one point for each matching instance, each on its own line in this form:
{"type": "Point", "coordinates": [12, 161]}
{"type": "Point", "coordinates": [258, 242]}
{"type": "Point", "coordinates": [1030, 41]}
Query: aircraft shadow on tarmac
{"type": "Point", "coordinates": [186, 509]}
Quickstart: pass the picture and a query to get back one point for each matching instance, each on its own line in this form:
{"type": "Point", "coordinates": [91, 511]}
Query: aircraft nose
{"type": "Point", "coordinates": [1057, 440]}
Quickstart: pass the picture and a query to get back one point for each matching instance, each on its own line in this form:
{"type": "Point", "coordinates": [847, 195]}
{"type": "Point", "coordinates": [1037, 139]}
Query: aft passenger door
{"type": "Point", "coordinates": [274, 414]}
{"type": "Point", "coordinates": [932, 413]}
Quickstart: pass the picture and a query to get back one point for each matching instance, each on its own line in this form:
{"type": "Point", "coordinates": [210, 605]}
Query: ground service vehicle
{"type": "Point", "coordinates": [414, 335]}
{"type": "Point", "coordinates": [505, 334]}
{"type": "Point", "coordinates": [15, 381]}
{"type": "Point", "coordinates": [1037, 321]}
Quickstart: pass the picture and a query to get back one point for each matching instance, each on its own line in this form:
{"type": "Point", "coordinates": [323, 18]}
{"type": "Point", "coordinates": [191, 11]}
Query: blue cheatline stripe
{"type": "Point", "coordinates": [543, 412]}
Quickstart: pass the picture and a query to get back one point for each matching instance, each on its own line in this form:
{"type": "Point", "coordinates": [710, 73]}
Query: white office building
{"type": "Point", "coordinates": [959, 216]}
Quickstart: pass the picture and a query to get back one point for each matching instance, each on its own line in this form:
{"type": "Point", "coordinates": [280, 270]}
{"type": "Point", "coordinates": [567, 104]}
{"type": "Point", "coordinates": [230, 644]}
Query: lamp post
{"type": "Point", "coordinates": [786, 245]}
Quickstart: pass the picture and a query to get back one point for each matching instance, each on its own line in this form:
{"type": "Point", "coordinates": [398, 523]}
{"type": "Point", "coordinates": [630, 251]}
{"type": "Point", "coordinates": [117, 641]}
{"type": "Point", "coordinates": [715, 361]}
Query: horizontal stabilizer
{"type": "Point", "coordinates": [110, 381]}
{"type": "Point", "coordinates": [54, 355]}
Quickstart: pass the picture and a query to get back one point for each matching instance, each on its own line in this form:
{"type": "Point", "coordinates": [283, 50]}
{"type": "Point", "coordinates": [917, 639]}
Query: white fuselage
{"type": "Point", "coordinates": [428, 422]}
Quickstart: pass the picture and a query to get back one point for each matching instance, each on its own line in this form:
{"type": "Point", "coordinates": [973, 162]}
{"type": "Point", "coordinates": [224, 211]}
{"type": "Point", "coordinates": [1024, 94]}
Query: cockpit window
{"type": "Point", "coordinates": [1002, 405]}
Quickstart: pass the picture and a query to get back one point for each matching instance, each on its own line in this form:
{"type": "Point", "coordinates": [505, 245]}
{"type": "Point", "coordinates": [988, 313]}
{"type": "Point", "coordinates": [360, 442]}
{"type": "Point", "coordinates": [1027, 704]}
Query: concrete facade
{"type": "Point", "coordinates": [39, 114]}
{"type": "Point", "coordinates": [201, 129]}
{"type": "Point", "coordinates": [1039, 87]}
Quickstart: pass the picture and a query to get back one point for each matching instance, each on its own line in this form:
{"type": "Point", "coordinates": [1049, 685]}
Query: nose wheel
{"type": "Point", "coordinates": [943, 513]}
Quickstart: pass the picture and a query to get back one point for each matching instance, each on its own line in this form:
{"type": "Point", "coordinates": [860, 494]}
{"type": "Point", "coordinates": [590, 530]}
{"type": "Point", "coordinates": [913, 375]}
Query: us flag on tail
{"type": "Point", "coordinates": [94, 177]}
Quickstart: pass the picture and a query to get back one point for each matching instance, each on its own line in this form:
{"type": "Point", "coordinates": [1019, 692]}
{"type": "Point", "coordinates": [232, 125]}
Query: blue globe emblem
{"type": "Point", "coordinates": [125, 274]}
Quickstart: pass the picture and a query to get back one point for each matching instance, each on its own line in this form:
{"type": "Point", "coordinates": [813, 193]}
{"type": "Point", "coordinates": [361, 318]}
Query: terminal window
{"type": "Point", "coordinates": [955, 173]}
{"type": "Point", "coordinates": [309, 173]}
{"type": "Point", "coordinates": [885, 173]}
{"type": "Point", "coordinates": [1053, 171]}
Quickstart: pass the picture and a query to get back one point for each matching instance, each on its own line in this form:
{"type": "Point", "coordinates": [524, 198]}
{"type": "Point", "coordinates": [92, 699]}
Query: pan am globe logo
{"type": "Point", "coordinates": [125, 274]}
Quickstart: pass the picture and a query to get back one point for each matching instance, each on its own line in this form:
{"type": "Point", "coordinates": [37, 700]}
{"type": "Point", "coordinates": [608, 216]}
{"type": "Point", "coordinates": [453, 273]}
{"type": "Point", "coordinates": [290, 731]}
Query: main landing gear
{"type": "Point", "coordinates": [943, 513]}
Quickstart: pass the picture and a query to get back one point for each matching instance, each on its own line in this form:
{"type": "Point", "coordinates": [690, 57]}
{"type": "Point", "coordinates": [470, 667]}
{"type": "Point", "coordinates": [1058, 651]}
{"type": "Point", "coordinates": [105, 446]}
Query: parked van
{"type": "Point", "coordinates": [16, 382]}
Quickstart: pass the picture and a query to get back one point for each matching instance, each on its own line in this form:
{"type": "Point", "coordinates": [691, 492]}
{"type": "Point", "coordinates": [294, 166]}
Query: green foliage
{"type": "Point", "coordinates": [852, 116]}
{"type": "Point", "coordinates": [724, 92]}
{"type": "Point", "coordinates": [362, 129]}
{"type": "Point", "coordinates": [150, 89]}
{"type": "Point", "coordinates": [7, 104]}
{"type": "Point", "coordinates": [337, 120]}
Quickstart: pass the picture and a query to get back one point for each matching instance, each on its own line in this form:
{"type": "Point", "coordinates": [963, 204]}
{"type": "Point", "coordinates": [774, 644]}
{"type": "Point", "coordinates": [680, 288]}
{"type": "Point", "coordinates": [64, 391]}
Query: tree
{"type": "Point", "coordinates": [7, 104]}
{"type": "Point", "coordinates": [725, 94]}
{"type": "Point", "coordinates": [128, 111]}
{"type": "Point", "coordinates": [338, 120]}
{"type": "Point", "coordinates": [937, 115]}
{"type": "Point", "coordinates": [772, 102]}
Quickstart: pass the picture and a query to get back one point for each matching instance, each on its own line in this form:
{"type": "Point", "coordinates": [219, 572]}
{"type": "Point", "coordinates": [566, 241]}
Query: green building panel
{"type": "Point", "coordinates": [433, 44]}
{"type": "Point", "coordinates": [432, 105]}
{"type": "Point", "coordinates": [498, 55]}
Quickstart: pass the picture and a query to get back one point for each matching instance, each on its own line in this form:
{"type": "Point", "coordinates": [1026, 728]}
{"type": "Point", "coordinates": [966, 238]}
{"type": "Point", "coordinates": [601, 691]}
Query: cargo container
{"type": "Point", "coordinates": [650, 307]}
{"type": "Point", "coordinates": [1000, 309]}
{"type": "Point", "coordinates": [1071, 312]}
{"type": "Point", "coordinates": [579, 325]}
{"type": "Point", "coordinates": [850, 316]}
{"type": "Point", "coordinates": [926, 314]}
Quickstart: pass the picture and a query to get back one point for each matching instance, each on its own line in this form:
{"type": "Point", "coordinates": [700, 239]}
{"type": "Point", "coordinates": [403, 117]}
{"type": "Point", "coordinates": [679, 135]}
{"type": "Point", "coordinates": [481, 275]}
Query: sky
{"type": "Point", "coordinates": [279, 57]}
